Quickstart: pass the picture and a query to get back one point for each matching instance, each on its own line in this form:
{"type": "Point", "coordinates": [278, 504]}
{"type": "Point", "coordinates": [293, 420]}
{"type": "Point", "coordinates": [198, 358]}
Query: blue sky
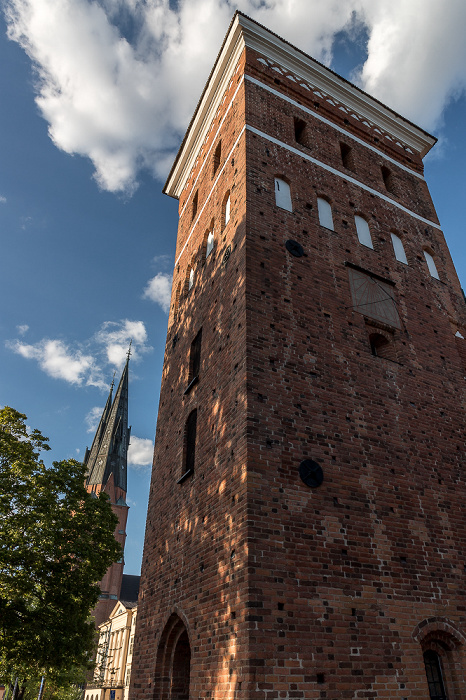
{"type": "Point", "coordinates": [94, 100]}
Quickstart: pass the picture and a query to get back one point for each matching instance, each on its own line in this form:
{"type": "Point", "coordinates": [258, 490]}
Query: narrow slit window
{"type": "Point", "coordinates": [398, 249]}
{"type": "Point", "coordinates": [283, 195]}
{"type": "Point", "coordinates": [227, 207]}
{"type": "Point", "coordinates": [434, 675]}
{"type": "Point", "coordinates": [191, 279]}
{"type": "Point", "coordinates": [210, 244]}
{"type": "Point", "coordinates": [300, 131]}
{"type": "Point", "coordinates": [325, 213]}
{"type": "Point", "coordinates": [347, 156]}
{"type": "Point", "coordinates": [431, 265]}
{"type": "Point", "coordinates": [195, 357]}
{"type": "Point", "coordinates": [195, 203]}
{"type": "Point", "coordinates": [217, 157]}
{"type": "Point", "coordinates": [190, 443]}
{"type": "Point", "coordinates": [363, 231]}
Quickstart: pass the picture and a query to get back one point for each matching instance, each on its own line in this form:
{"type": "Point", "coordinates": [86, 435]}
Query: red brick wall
{"type": "Point", "coordinates": [287, 591]}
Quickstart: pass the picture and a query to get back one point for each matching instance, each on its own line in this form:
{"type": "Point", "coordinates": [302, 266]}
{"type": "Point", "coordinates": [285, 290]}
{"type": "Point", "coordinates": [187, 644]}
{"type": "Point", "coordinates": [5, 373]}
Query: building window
{"type": "Point", "coordinates": [194, 361]}
{"type": "Point", "coordinates": [226, 209]}
{"type": "Point", "coordinates": [282, 194]}
{"type": "Point", "coordinates": [189, 444]}
{"type": "Point", "coordinates": [362, 229]}
{"type": "Point", "coordinates": [210, 244]}
{"type": "Point", "coordinates": [177, 298]}
{"type": "Point", "coordinates": [383, 347]}
{"type": "Point", "coordinates": [300, 131]}
{"type": "Point", "coordinates": [131, 645]}
{"type": "Point", "coordinates": [217, 157]}
{"type": "Point", "coordinates": [373, 297]}
{"type": "Point", "coordinates": [128, 675]}
{"type": "Point", "coordinates": [434, 675]}
{"type": "Point", "coordinates": [325, 213]}
{"type": "Point", "coordinates": [347, 156]}
{"type": "Point", "coordinates": [191, 279]}
{"type": "Point", "coordinates": [398, 249]}
{"type": "Point", "coordinates": [194, 209]}
{"type": "Point", "coordinates": [431, 265]}
{"type": "Point", "coordinates": [388, 179]}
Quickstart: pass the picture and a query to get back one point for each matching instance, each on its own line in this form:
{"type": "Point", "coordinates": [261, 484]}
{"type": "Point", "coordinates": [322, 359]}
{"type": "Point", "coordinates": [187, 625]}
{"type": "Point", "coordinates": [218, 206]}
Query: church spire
{"type": "Point", "coordinates": [108, 454]}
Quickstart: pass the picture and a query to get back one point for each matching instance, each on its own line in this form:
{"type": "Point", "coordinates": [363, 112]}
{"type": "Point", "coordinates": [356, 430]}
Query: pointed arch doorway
{"type": "Point", "coordinates": [173, 665]}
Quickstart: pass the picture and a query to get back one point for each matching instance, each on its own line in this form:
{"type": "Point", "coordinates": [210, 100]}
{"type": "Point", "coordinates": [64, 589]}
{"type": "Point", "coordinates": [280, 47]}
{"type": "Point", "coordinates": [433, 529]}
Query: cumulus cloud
{"type": "Point", "coordinates": [115, 337]}
{"type": "Point", "coordinates": [57, 360]}
{"type": "Point", "coordinates": [92, 418]}
{"type": "Point", "coordinates": [140, 452]}
{"type": "Point", "coordinates": [85, 364]}
{"type": "Point", "coordinates": [124, 99]}
{"type": "Point", "coordinates": [158, 289]}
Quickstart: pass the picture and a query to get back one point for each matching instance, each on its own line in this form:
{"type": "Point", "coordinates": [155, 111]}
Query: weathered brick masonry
{"type": "Point", "coordinates": [255, 585]}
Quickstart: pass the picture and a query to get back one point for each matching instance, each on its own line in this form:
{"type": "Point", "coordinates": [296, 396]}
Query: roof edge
{"type": "Point", "coordinates": [246, 32]}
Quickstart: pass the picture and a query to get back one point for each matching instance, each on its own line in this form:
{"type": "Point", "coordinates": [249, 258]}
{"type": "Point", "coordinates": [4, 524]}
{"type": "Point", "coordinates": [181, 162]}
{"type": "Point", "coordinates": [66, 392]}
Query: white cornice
{"type": "Point", "coordinates": [245, 32]}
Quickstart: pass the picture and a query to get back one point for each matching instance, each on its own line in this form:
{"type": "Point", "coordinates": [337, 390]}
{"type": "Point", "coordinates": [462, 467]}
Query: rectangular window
{"type": "Point", "coordinates": [347, 156]}
{"type": "Point", "coordinates": [300, 131]}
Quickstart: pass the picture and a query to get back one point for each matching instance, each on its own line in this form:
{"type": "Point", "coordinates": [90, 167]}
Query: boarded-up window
{"type": "Point", "coordinates": [399, 249]}
{"type": "Point", "coordinates": [431, 265]}
{"type": "Point", "coordinates": [373, 298]}
{"type": "Point", "coordinates": [325, 213]}
{"type": "Point", "coordinates": [283, 194]}
{"type": "Point", "coordinates": [362, 229]}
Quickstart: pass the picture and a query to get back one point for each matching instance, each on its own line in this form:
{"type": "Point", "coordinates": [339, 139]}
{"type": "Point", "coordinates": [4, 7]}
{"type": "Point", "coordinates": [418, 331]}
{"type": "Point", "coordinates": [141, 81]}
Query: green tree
{"type": "Point", "coordinates": [56, 542]}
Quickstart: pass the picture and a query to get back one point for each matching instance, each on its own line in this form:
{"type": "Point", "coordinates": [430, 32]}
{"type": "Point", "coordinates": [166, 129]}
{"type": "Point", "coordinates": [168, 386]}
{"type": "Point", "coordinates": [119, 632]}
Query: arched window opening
{"type": "Point", "coordinates": [325, 213]}
{"type": "Point", "coordinates": [434, 675]}
{"type": "Point", "coordinates": [362, 229]}
{"type": "Point", "coordinates": [347, 156]}
{"type": "Point", "coordinates": [431, 265]}
{"type": "Point", "coordinates": [210, 244]}
{"type": "Point", "coordinates": [226, 209]}
{"type": "Point", "coordinates": [173, 662]}
{"type": "Point", "coordinates": [217, 158]}
{"type": "Point", "coordinates": [181, 669]}
{"type": "Point", "coordinates": [398, 249]}
{"type": "Point", "coordinates": [282, 194]}
{"type": "Point", "coordinates": [195, 203]}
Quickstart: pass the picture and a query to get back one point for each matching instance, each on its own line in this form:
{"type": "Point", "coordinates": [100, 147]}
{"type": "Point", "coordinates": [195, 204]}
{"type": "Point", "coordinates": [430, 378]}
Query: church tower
{"type": "Point", "coordinates": [106, 464]}
{"type": "Point", "coordinates": [305, 535]}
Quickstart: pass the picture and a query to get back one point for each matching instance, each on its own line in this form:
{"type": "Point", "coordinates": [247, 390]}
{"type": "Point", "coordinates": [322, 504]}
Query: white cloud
{"type": "Point", "coordinates": [84, 364]}
{"type": "Point", "coordinates": [2, 199]}
{"type": "Point", "coordinates": [140, 452]}
{"type": "Point", "coordinates": [92, 418]}
{"type": "Point", "coordinates": [57, 360]}
{"type": "Point", "coordinates": [23, 329]}
{"type": "Point", "coordinates": [125, 102]}
{"type": "Point", "coordinates": [158, 289]}
{"type": "Point", "coordinates": [115, 337]}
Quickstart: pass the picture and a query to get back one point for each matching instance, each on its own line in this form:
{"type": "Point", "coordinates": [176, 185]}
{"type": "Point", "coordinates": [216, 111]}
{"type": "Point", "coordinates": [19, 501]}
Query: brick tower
{"type": "Point", "coordinates": [306, 533]}
{"type": "Point", "coordinates": [106, 464]}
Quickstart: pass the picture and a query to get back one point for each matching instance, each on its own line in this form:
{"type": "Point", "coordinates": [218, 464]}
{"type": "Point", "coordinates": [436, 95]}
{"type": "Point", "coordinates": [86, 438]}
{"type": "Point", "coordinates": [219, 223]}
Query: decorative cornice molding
{"type": "Point", "coordinates": [244, 32]}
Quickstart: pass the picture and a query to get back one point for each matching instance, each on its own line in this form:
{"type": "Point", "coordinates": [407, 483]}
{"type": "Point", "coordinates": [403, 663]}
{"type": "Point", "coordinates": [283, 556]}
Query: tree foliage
{"type": "Point", "coordinates": [56, 542]}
